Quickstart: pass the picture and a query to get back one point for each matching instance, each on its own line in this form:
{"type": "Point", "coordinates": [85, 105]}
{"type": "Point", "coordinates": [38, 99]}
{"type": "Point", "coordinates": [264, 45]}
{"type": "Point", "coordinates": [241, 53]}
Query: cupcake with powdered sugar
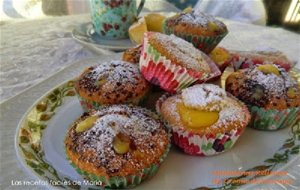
{"type": "Point", "coordinates": [204, 119]}
{"type": "Point", "coordinates": [118, 146]}
{"type": "Point", "coordinates": [114, 82]}
{"type": "Point", "coordinates": [273, 97]}
{"type": "Point", "coordinates": [202, 30]}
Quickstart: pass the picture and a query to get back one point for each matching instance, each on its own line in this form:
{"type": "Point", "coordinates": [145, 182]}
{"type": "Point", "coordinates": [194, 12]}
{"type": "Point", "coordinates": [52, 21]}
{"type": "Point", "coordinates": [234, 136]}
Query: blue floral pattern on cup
{"type": "Point", "coordinates": [112, 18]}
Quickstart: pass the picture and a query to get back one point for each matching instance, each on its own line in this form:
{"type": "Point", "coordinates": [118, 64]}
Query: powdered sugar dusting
{"type": "Point", "coordinates": [274, 85]}
{"type": "Point", "coordinates": [199, 19]}
{"type": "Point", "coordinates": [113, 72]}
{"type": "Point", "coordinates": [136, 123]}
{"type": "Point", "coordinates": [183, 51]}
{"type": "Point", "coordinates": [118, 70]}
{"type": "Point", "coordinates": [231, 111]}
{"type": "Point", "coordinates": [213, 98]}
{"type": "Point", "coordinates": [100, 137]}
{"type": "Point", "coordinates": [203, 96]}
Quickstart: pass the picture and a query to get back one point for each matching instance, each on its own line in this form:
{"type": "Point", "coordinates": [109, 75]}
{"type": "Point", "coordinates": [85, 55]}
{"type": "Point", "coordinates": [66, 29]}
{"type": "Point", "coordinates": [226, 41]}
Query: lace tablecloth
{"type": "Point", "coordinates": [32, 51]}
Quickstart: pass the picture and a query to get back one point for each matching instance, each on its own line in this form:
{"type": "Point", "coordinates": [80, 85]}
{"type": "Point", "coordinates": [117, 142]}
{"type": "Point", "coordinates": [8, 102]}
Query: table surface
{"type": "Point", "coordinates": [37, 55]}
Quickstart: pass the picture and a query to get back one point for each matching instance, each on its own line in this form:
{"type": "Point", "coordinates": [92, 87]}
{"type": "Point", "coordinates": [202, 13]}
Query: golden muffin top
{"type": "Point", "coordinates": [179, 51]}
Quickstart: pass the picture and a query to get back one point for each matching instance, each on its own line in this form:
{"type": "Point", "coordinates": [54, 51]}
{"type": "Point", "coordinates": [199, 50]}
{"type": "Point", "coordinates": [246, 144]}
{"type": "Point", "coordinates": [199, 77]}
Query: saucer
{"type": "Point", "coordinates": [85, 34]}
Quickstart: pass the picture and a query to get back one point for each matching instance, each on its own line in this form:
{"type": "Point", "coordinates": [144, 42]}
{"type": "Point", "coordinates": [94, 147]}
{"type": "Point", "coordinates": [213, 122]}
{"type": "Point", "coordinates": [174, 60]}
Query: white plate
{"type": "Point", "coordinates": [40, 149]}
{"type": "Point", "coordinates": [85, 34]}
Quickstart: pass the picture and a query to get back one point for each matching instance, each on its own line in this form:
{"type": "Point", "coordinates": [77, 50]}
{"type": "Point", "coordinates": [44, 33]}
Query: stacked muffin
{"type": "Point", "coordinates": [202, 30]}
{"type": "Point", "coordinates": [174, 64]}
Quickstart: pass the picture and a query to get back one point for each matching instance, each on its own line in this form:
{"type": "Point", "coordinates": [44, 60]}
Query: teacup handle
{"type": "Point", "coordinates": [140, 7]}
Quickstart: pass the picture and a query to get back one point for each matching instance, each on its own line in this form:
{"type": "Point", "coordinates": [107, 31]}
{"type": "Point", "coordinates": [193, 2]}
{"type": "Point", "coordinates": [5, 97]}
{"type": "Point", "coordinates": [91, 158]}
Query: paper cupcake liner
{"type": "Point", "coordinates": [160, 71]}
{"type": "Point", "coordinates": [271, 120]}
{"type": "Point", "coordinates": [203, 43]}
{"type": "Point", "coordinates": [225, 64]}
{"type": "Point", "coordinates": [123, 181]}
{"type": "Point", "coordinates": [202, 145]}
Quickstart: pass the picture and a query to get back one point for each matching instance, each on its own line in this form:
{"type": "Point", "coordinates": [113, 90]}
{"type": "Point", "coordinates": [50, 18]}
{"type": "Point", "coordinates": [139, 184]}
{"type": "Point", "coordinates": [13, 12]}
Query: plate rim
{"type": "Point", "coordinates": [20, 159]}
{"type": "Point", "coordinates": [33, 174]}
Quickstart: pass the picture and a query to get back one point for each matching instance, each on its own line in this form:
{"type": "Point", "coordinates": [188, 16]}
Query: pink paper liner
{"type": "Point", "coordinates": [224, 65]}
{"type": "Point", "coordinates": [216, 73]}
{"type": "Point", "coordinates": [201, 145]}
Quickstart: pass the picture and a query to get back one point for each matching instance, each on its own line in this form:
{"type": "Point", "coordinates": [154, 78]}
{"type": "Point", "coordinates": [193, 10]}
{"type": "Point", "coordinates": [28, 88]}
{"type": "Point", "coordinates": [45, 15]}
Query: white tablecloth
{"type": "Point", "coordinates": [33, 50]}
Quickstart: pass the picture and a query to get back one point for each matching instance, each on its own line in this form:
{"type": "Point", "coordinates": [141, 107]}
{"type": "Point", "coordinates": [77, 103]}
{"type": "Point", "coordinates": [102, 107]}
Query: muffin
{"type": "Point", "coordinates": [248, 59]}
{"type": "Point", "coordinates": [202, 30]}
{"type": "Point", "coordinates": [204, 119]}
{"type": "Point", "coordinates": [132, 55]}
{"type": "Point", "coordinates": [174, 64]}
{"type": "Point", "coordinates": [273, 97]}
{"type": "Point", "coordinates": [119, 146]}
{"type": "Point", "coordinates": [114, 82]}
